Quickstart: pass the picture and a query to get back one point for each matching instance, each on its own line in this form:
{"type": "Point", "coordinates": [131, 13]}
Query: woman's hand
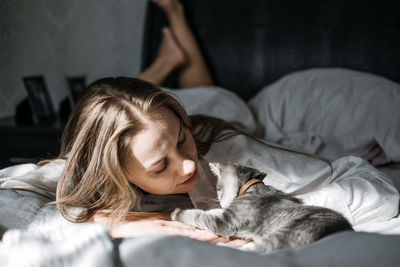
{"type": "Point", "coordinates": [140, 224]}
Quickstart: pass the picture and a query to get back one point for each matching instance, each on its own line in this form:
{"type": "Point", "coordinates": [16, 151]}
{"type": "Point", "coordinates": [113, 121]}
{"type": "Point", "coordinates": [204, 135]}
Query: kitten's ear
{"type": "Point", "coordinates": [215, 168]}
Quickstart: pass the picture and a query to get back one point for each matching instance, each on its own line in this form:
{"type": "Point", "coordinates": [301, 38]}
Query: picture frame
{"type": "Point", "coordinates": [76, 85]}
{"type": "Point", "coordinates": [39, 99]}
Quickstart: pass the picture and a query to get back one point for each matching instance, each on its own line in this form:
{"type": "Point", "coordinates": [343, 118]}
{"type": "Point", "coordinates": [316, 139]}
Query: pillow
{"type": "Point", "coordinates": [349, 111]}
{"type": "Point", "coordinates": [217, 102]}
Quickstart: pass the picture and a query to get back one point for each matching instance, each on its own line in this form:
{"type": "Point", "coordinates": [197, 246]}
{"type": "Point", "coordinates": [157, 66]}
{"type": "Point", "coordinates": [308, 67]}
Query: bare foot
{"type": "Point", "coordinates": [170, 7]}
{"type": "Point", "coordinates": [195, 71]}
{"type": "Point", "coordinates": [170, 52]}
{"type": "Point", "coordinates": [170, 56]}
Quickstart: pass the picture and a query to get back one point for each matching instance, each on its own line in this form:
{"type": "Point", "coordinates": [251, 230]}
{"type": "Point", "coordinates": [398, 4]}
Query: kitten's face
{"type": "Point", "coordinates": [230, 177]}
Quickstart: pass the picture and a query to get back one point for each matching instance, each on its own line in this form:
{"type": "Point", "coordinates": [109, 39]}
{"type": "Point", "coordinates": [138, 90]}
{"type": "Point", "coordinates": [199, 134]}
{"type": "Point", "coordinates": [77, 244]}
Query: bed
{"type": "Point", "coordinates": [320, 77]}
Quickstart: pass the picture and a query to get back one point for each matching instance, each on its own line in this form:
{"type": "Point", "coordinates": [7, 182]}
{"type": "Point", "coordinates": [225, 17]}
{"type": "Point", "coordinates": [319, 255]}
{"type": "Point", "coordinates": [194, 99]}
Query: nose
{"type": "Point", "coordinates": [188, 167]}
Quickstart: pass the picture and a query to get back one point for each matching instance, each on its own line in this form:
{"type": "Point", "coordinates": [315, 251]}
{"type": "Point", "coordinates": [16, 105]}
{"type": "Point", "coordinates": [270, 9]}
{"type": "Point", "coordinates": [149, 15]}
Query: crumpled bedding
{"type": "Point", "coordinates": [89, 245]}
{"type": "Point", "coordinates": [355, 188]}
{"type": "Point", "coordinates": [359, 191]}
{"type": "Point", "coordinates": [336, 112]}
{"type": "Point", "coordinates": [362, 193]}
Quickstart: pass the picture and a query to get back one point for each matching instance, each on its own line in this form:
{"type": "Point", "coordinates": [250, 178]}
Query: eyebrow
{"type": "Point", "coordinates": [160, 160]}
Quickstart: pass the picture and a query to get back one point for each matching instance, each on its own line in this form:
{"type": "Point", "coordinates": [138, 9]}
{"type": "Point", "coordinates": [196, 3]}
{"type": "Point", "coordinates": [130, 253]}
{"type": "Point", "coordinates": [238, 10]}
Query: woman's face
{"type": "Point", "coordinates": [164, 156]}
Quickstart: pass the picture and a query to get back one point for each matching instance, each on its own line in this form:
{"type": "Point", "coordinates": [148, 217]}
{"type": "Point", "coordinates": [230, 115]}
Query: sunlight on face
{"type": "Point", "coordinates": [164, 156]}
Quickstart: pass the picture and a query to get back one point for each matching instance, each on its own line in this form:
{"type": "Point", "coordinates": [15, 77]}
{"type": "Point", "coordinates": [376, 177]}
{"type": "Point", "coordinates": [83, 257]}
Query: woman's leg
{"type": "Point", "coordinates": [194, 72]}
{"type": "Point", "coordinates": [170, 56]}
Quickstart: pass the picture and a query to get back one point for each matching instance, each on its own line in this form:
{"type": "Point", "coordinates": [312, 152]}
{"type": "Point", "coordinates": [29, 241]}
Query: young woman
{"type": "Point", "coordinates": [126, 137]}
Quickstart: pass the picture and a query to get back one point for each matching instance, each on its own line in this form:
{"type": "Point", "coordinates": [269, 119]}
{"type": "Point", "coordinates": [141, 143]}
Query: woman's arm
{"type": "Point", "coordinates": [148, 223]}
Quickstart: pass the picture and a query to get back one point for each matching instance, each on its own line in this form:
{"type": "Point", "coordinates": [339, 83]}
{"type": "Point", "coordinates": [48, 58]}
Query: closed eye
{"type": "Point", "coordinates": [181, 141]}
{"type": "Point", "coordinates": [163, 168]}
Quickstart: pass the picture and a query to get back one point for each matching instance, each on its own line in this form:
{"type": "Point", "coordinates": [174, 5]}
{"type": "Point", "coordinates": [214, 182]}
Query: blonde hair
{"type": "Point", "coordinates": [95, 142]}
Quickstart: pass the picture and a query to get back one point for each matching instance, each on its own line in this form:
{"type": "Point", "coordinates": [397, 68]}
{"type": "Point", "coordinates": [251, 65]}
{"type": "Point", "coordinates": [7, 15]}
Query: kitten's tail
{"type": "Point", "coordinates": [334, 227]}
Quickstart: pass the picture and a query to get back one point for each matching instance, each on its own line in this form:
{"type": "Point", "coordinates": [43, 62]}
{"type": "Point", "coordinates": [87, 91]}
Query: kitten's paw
{"type": "Point", "coordinates": [215, 168]}
{"type": "Point", "coordinates": [248, 247]}
{"type": "Point", "coordinates": [253, 247]}
{"type": "Point", "coordinates": [175, 214]}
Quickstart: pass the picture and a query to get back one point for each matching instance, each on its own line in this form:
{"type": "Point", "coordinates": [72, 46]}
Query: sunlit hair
{"type": "Point", "coordinates": [96, 140]}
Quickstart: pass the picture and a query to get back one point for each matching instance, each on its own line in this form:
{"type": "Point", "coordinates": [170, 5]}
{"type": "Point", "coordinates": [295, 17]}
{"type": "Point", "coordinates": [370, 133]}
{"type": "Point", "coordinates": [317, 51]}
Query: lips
{"type": "Point", "coordinates": [190, 179]}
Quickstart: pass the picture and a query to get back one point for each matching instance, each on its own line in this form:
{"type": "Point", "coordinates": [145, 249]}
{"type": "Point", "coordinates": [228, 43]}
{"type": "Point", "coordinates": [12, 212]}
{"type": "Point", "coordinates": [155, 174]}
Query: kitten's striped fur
{"type": "Point", "coordinates": [263, 214]}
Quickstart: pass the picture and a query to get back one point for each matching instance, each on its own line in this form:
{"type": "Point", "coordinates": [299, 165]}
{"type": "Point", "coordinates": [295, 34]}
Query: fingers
{"type": "Point", "coordinates": [237, 243]}
{"type": "Point", "coordinates": [206, 236]}
{"type": "Point", "coordinates": [179, 228]}
{"type": "Point", "coordinates": [182, 229]}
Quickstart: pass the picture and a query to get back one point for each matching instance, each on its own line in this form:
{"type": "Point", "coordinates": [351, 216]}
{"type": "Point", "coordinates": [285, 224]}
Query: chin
{"type": "Point", "coordinates": [196, 182]}
{"type": "Point", "coordinates": [186, 188]}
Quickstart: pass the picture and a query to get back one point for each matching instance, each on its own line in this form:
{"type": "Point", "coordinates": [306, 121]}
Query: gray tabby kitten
{"type": "Point", "coordinates": [269, 217]}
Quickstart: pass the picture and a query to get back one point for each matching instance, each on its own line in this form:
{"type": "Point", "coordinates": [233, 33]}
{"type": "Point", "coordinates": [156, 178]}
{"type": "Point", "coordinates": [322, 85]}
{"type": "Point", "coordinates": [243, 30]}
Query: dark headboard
{"type": "Point", "coordinates": [251, 43]}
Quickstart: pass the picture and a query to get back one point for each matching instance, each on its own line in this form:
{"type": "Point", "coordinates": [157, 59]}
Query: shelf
{"type": "Point", "coordinates": [28, 143]}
